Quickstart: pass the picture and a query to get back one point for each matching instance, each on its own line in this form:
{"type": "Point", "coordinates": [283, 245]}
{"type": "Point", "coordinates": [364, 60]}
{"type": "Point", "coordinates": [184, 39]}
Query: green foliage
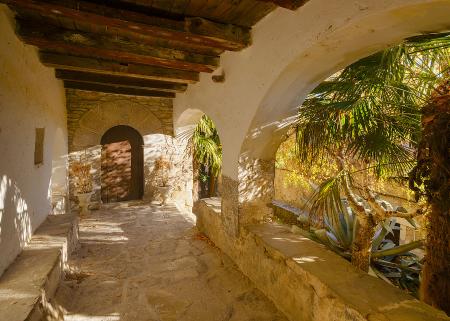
{"type": "Point", "coordinates": [370, 113]}
{"type": "Point", "coordinates": [299, 176]}
{"type": "Point", "coordinates": [367, 117]}
{"type": "Point", "coordinates": [371, 109]}
{"type": "Point", "coordinates": [207, 146]}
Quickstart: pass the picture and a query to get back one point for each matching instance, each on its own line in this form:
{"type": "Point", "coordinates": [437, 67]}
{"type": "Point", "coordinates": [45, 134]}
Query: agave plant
{"type": "Point", "coordinates": [392, 263]}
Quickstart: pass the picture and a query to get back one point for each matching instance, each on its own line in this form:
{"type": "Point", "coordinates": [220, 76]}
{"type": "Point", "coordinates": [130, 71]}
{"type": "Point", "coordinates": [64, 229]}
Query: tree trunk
{"type": "Point", "coordinates": [365, 227]}
{"type": "Point", "coordinates": [433, 171]}
{"type": "Point", "coordinates": [212, 184]}
{"type": "Point", "coordinates": [195, 180]}
{"type": "Point", "coordinates": [203, 183]}
{"type": "Point", "coordinates": [362, 244]}
{"type": "Point", "coordinates": [435, 288]}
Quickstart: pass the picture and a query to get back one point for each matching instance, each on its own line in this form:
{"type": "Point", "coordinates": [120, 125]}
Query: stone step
{"type": "Point", "coordinates": [35, 274]}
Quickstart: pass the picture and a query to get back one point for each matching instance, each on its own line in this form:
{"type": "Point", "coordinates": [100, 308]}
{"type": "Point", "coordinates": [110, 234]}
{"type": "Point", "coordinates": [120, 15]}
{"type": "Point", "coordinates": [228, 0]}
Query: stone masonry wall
{"type": "Point", "coordinates": [91, 114]}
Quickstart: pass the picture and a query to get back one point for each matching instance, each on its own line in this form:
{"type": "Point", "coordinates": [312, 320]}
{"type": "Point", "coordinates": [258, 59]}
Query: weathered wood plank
{"type": "Point", "coordinates": [179, 6]}
{"type": "Point", "coordinates": [288, 4]}
{"type": "Point", "coordinates": [64, 41]}
{"type": "Point", "coordinates": [164, 5]}
{"type": "Point", "coordinates": [67, 62]}
{"type": "Point", "coordinates": [203, 32]}
{"type": "Point", "coordinates": [234, 9]}
{"type": "Point", "coordinates": [254, 15]}
{"type": "Point", "coordinates": [244, 7]}
{"type": "Point", "coordinates": [207, 28]}
{"type": "Point", "coordinates": [147, 39]}
{"type": "Point", "coordinates": [117, 89]}
{"type": "Point", "coordinates": [131, 82]}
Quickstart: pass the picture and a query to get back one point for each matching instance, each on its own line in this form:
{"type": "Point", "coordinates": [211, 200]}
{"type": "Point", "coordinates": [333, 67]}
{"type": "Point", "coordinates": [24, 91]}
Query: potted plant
{"type": "Point", "coordinates": [83, 185]}
{"type": "Point", "coordinates": [162, 168]}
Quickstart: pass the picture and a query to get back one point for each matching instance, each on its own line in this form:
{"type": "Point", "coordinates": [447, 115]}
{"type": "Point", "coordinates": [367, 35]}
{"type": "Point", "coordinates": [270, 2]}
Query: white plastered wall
{"type": "Point", "coordinates": [292, 52]}
{"type": "Point", "coordinates": [30, 97]}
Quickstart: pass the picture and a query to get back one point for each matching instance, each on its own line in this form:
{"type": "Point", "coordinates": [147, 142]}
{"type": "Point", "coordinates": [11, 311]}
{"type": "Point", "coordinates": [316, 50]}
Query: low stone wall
{"type": "Point", "coordinates": [32, 279]}
{"type": "Point", "coordinates": [305, 280]}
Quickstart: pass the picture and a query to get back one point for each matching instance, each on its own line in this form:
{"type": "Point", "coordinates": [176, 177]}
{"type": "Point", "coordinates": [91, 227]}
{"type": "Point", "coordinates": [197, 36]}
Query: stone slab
{"type": "Point", "coordinates": [36, 272]}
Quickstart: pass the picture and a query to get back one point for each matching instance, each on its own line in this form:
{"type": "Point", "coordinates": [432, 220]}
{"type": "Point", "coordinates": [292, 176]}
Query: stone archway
{"type": "Point", "coordinates": [122, 171]}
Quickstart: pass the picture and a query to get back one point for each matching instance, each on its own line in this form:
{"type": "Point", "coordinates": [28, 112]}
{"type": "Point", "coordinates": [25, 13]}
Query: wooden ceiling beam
{"type": "Point", "coordinates": [288, 4]}
{"type": "Point", "coordinates": [190, 30]}
{"type": "Point", "coordinates": [67, 62]}
{"type": "Point", "coordinates": [120, 81]}
{"type": "Point", "coordinates": [117, 90]}
{"type": "Point", "coordinates": [64, 41]}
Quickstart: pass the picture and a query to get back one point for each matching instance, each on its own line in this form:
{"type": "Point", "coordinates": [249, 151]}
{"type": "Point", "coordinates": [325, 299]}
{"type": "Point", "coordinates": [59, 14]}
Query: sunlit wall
{"type": "Point", "coordinates": [30, 98]}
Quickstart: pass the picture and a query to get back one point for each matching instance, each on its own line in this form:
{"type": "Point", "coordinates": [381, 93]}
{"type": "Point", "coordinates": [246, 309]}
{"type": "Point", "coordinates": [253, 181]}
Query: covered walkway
{"type": "Point", "coordinates": [139, 263]}
{"type": "Point", "coordinates": [72, 70]}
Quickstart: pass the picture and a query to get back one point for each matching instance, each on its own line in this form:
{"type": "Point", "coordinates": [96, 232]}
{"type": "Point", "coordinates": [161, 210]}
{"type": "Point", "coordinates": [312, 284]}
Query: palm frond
{"type": "Point", "coordinates": [207, 148]}
{"type": "Point", "coordinates": [371, 109]}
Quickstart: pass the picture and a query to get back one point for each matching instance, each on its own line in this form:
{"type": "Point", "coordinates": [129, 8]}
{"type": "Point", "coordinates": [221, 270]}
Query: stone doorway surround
{"type": "Point", "coordinates": [92, 114]}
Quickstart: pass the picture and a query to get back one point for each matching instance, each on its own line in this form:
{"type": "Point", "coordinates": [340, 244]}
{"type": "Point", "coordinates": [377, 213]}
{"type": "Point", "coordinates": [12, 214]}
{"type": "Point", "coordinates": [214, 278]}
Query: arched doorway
{"type": "Point", "coordinates": [122, 171]}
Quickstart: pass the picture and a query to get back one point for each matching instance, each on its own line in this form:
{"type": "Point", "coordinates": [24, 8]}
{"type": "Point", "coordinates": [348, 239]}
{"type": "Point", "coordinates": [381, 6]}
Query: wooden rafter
{"type": "Point", "coordinates": [147, 48]}
{"type": "Point", "coordinates": [64, 41]}
{"type": "Point", "coordinates": [120, 81]}
{"type": "Point", "coordinates": [117, 89]}
{"type": "Point", "coordinates": [67, 62]}
{"type": "Point", "coordinates": [191, 30]}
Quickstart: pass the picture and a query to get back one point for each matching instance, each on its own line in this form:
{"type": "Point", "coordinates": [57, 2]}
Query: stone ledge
{"type": "Point", "coordinates": [214, 204]}
{"type": "Point", "coordinates": [35, 274]}
{"type": "Point", "coordinates": [305, 280]}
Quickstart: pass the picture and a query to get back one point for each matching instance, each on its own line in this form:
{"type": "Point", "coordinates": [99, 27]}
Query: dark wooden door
{"type": "Point", "coordinates": [122, 164]}
{"type": "Point", "coordinates": [116, 172]}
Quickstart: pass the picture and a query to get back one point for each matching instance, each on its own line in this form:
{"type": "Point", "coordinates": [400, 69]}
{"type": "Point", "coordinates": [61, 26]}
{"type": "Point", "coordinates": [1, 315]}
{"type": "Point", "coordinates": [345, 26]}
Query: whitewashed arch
{"type": "Point", "coordinates": [292, 52]}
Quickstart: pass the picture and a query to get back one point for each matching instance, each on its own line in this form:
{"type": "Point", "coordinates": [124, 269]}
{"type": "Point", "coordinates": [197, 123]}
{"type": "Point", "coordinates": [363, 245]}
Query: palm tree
{"type": "Point", "coordinates": [370, 112]}
{"type": "Point", "coordinates": [207, 153]}
{"type": "Point", "coordinates": [431, 178]}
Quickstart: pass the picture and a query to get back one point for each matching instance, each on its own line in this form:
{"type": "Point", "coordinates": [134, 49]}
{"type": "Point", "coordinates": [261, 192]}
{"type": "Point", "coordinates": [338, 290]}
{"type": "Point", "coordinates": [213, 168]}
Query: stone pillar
{"type": "Point", "coordinates": [230, 206]}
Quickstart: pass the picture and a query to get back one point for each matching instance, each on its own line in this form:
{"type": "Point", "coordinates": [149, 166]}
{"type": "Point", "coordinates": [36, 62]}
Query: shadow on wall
{"type": "Point", "coordinates": [14, 228]}
{"type": "Point", "coordinates": [92, 157]}
{"type": "Point", "coordinates": [256, 178]}
{"type": "Point", "coordinates": [164, 149]}
{"type": "Point", "coordinates": [158, 148]}
{"type": "Point", "coordinates": [58, 186]}
{"type": "Point", "coordinates": [57, 189]}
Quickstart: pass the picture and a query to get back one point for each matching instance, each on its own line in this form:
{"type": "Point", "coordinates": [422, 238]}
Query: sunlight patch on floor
{"type": "Point", "coordinates": [306, 259]}
{"type": "Point", "coordinates": [83, 317]}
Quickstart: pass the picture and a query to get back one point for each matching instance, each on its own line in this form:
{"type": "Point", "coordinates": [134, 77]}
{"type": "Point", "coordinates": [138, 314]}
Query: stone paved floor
{"type": "Point", "coordinates": [140, 262]}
